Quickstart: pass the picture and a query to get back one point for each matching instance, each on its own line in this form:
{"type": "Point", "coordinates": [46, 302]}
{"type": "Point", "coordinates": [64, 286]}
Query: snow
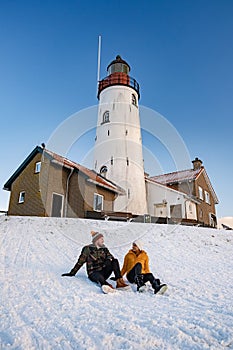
{"type": "Point", "coordinates": [42, 310]}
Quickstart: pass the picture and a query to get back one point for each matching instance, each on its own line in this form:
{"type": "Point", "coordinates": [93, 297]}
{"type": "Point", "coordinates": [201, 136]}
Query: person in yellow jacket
{"type": "Point", "coordinates": [136, 268]}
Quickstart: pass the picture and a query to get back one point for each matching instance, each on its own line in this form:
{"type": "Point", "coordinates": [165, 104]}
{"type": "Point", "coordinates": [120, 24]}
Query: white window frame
{"type": "Point", "coordinates": [37, 167]}
{"type": "Point", "coordinates": [106, 119]}
{"type": "Point", "coordinates": [134, 100]}
{"type": "Point", "coordinates": [200, 193]}
{"type": "Point", "coordinates": [21, 197]}
{"type": "Point", "coordinates": [96, 204]}
{"type": "Point", "coordinates": [207, 197]}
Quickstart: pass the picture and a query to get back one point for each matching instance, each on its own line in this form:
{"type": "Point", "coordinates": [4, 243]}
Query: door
{"type": "Point", "coordinates": [176, 211]}
{"type": "Point", "coordinates": [57, 205]}
{"type": "Point", "coordinates": [160, 210]}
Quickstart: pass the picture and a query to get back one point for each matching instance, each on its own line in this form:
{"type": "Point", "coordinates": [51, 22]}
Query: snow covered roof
{"type": "Point", "coordinates": [174, 190]}
{"type": "Point", "coordinates": [177, 176]}
{"type": "Point", "coordinates": [91, 175]}
{"type": "Point", "coordinates": [184, 176]}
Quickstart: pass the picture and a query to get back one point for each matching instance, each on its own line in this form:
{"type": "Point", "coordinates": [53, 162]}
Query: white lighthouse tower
{"type": "Point", "coordinates": [118, 145]}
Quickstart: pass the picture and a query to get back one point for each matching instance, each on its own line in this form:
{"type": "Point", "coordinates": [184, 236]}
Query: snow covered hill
{"type": "Point", "coordinates": [42, 310]}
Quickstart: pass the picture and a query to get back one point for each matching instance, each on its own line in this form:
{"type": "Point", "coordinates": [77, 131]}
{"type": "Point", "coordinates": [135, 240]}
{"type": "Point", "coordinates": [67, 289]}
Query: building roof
{"type": "Point", "coordinates": [177, 177]}
{"type": "Point", "coordinates": [91, 175]}
{"type": "Point", "coordinates": [118, 60]}
{"type": "Point", "coordinates": [170, 188]}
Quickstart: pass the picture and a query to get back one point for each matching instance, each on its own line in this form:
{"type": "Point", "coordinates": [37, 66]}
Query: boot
{"type": "Point", "coordinates": [121, 283]}
{"type": "Point", "coordinates": [107, 288]}
{"type": "Point", "coordinates": [108, 284]}
{"type": "Point", "coordinates": [159, 288]}
{"type": "Point", "coordinates": [139, 282]}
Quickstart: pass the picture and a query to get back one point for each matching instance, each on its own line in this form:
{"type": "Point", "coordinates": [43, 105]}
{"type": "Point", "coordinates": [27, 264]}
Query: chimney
{"type": "Point", "coordinates": [197, 164]}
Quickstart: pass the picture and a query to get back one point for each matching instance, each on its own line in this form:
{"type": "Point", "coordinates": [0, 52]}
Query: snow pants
{"type": "Point", "coordinates": [102, 275]}
{"type": "Point", "coordinates": [147, 277]}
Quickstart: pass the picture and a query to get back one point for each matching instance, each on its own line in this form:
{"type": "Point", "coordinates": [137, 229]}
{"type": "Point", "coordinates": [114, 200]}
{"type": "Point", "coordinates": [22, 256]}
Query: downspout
{"type": "Point", "coordinates": [67, 190]}
{"type": "Point", "coordinates": [185, 208]}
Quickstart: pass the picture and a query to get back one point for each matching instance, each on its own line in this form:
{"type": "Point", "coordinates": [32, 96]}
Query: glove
{"type": "Point", "coordinates": [113, 278]}
{"type": "Point", "coordinates": [69, 274]}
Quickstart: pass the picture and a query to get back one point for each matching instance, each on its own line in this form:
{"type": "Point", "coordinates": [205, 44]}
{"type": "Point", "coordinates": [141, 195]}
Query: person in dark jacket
{"type": "Point", "coordinates": [100, 263]}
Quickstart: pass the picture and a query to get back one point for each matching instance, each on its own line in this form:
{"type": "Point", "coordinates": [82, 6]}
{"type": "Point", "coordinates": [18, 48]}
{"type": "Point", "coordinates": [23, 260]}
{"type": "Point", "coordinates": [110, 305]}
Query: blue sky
{"type": "Point", "coordinates": [181, 53]}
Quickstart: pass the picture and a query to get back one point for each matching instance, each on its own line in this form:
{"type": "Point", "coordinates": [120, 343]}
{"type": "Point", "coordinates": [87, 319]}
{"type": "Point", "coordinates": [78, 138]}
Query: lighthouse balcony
{"type": "Point", "coordinates": [118, 79]}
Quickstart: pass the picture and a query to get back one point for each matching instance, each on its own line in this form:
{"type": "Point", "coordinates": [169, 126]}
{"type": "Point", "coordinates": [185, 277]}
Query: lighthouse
{"type": "Point", "coordinates": [118, 143]}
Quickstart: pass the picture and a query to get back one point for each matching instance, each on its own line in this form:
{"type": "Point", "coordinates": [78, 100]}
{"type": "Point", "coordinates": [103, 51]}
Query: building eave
{"type": "Point", "coordinates": [35, 151]}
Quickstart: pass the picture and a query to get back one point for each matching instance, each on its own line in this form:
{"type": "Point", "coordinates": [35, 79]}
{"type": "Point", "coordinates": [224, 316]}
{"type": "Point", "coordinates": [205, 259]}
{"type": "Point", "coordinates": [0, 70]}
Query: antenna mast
{"type": "Point", "coordinates": [98, 68]}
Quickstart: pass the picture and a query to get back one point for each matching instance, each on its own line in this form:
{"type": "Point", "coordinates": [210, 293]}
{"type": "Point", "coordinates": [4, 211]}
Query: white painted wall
{"type": "Point", "coordinates": [119, 146]}
{"type": "Point", "coordinates": [160, 198]}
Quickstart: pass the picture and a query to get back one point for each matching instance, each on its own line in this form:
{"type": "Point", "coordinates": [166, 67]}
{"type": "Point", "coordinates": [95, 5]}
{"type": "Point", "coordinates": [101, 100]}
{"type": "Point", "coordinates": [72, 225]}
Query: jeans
{"type": "Point", "coordinates": [102, 275]}
{"type": "Point", "coordinates": [137, 270]}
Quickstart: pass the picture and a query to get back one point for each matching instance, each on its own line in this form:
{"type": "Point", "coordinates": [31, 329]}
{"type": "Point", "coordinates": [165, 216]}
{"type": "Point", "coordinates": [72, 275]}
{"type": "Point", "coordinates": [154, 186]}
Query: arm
{"type": "Point", "coordinates": [81, 260]}
{"type": "Point", "coordinates": [147, 269]}
{"type": "Point", "coordinates": [109, 256]}
{"type": "Point", "coordinates": [124, 268]}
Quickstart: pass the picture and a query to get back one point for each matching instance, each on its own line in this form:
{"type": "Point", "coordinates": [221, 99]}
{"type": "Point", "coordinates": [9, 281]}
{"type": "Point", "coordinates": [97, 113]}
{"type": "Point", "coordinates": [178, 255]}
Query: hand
{"type": "Point", "coordinates": [113, 278]}
{"type": "Point", "coordinates": [69, 274]}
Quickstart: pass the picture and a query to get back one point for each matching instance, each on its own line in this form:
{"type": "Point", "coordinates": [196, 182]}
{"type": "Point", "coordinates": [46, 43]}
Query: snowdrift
{"type": "Point", "coordinates": [42, 310]}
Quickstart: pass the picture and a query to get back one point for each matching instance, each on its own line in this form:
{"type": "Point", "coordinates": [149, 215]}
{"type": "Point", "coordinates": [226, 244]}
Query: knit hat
{"type": "Point", "coordinates": [139, 244]}
{"type": "Point", "coordinates": [96, 236]}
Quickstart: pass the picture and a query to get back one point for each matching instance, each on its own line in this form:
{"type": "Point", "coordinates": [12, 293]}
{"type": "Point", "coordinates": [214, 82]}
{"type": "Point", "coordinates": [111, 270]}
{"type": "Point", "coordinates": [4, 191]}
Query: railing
{"type": "Point", "coordinates": [118, 79]}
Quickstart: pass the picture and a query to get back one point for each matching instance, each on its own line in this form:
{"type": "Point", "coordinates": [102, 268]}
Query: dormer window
{"type": "Point", "coordinates": [134, 100]}
{"type": "Point", "coordinates": [105, 117]}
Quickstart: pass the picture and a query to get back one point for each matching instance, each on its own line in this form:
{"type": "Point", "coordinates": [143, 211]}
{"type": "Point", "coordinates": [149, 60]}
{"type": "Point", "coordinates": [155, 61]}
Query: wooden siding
{"type": "Point", "coordinates": [27, 181]}
{"type": "Point", "coordinates": [53, 178]}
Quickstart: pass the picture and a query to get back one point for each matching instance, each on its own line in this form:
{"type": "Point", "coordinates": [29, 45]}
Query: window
{"type": "Point", "coordinates": [200, 191]}
{"type": "Point", "coordinates": [111, 160]}
{"type": "Point", "coordinates": [108, 132]}
{"type": "Point", "coordinates": [134, 100]}
{"type": "Point", "coordinates": [98, 202]}
{"type": "Point", "coordinates": [127, 160]}
{"type": "Point", "coordinates": [128, 193]}
{"type": "Point", "coordinates": [37, 167]}
{"type": "Point", "coordinates": [105, 117]}
{"type": "Point", "coordinates": [103, 170]}
{"type": "Point", "coordinates": [21, 197]}
{"type": "Point", "coordinates": [207, 197]}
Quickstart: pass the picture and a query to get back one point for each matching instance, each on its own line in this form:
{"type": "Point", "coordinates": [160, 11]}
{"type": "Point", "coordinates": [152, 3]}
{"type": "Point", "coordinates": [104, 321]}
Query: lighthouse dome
{"type": "Point", "coordinates": [118, 65]}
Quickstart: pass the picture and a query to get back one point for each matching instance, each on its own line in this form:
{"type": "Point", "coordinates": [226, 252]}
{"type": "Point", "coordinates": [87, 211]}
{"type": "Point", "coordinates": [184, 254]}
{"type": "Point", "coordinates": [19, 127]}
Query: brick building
{"type": "Point", "coordinates": [196, 184]}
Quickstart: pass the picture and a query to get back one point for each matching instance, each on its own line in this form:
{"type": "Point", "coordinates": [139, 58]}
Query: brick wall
{"type": "Point", "coordinates": [204, 209]}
